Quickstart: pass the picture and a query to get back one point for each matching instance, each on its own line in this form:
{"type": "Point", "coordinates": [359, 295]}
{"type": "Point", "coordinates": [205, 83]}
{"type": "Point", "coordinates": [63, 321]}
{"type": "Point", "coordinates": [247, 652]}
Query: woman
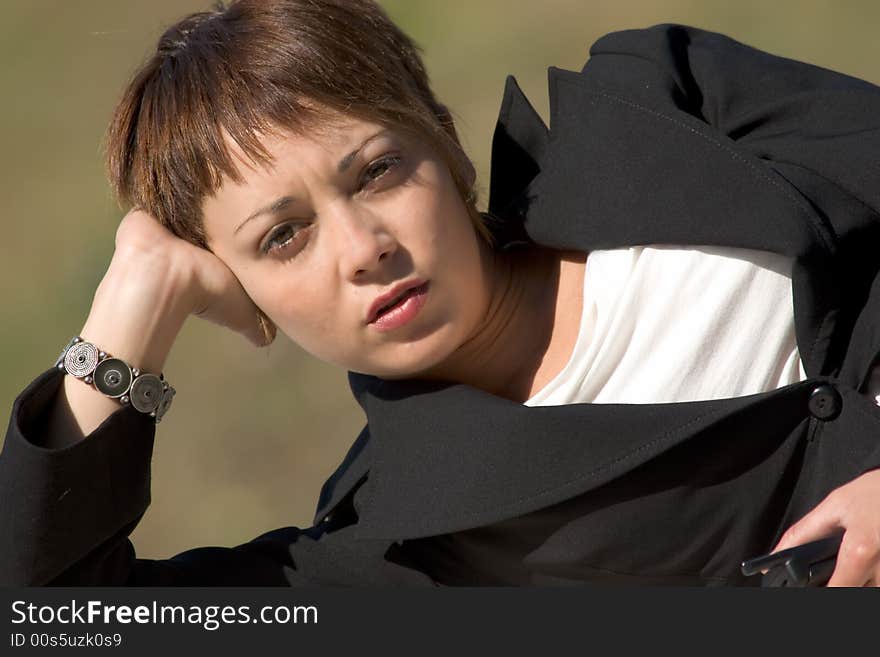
{"type": "Point", "coordinates": [291, 168]}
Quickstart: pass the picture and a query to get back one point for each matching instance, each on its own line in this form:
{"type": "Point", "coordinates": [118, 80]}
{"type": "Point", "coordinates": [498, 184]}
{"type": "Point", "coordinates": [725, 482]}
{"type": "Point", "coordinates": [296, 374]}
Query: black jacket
{"type": "Point", "coordinates": [669, 135]}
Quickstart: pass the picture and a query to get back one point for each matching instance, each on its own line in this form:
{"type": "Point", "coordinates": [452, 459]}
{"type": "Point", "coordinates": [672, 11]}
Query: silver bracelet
{"type": "Point", "coordinates": [147, 393]}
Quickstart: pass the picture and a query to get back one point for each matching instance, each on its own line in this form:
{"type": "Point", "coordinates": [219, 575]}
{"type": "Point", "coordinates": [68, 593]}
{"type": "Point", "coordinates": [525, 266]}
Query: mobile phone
{"type": "Point", "coordinates": [810, 564]}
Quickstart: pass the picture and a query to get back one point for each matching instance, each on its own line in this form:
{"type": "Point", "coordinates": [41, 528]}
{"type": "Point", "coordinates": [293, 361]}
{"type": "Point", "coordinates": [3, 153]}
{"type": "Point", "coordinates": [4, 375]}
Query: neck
{"type": "Point", "coordinates": [507, 346]}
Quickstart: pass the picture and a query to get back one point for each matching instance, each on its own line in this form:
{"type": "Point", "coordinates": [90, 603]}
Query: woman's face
{"type": "Point", "coordinates": [340, 218]}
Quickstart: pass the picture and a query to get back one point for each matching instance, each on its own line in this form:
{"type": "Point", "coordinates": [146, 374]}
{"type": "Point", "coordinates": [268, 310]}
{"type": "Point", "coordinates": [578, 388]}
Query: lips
{"type": "Point", "coordinates": [392, 296]}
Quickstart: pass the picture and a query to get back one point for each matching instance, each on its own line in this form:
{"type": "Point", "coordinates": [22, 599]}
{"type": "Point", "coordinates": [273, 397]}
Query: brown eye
{"type": "Point", "coordinates": [379, 169]}
{"type": "Point", "coordinates": [280, 238]}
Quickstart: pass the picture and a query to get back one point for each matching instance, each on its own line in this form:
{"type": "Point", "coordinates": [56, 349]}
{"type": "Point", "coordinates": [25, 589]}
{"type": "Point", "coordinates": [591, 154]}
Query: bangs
{"type": "Point", "coordinates": [254, 68]}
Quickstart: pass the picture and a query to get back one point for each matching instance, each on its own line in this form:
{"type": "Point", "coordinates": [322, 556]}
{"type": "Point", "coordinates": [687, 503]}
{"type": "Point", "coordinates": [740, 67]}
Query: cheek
{"type": "Point", "coordinates": [454, 242]}
{"type": "Point", "coordinates": [440, 225]}
{"type": "Point", "coordinates": [305, 312]}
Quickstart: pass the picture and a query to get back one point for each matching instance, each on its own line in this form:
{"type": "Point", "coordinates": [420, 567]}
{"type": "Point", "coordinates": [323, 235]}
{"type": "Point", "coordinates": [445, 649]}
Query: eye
{"type": "Point", "coordinates": [282, 237]}
{"type": "Point", "coordinates": [379, 169]}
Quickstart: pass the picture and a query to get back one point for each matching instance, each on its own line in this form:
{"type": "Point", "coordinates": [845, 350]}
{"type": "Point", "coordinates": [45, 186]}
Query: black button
{"type": "Point", "coordinates": [824, 402]}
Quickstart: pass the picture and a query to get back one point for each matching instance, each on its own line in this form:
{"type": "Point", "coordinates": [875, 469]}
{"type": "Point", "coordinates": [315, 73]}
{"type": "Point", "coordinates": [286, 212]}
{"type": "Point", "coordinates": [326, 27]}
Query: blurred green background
{"type": "Point", "coordinates": [254, 433]}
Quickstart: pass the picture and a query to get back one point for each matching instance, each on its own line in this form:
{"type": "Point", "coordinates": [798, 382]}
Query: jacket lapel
{"type": "Point", "coordinates": [614, 170]}
{"type": "Point", "coordinates": [450, 457]}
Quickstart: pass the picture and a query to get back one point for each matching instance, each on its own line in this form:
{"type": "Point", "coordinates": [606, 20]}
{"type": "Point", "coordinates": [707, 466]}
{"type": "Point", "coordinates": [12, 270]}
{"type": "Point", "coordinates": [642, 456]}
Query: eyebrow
{"type": "Point", "coordinates": [280, 203]}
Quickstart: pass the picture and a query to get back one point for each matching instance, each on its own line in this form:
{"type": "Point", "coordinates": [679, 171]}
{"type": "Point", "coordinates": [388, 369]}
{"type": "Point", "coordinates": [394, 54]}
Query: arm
{"type": "Point", "coordinates": [68, 512]}
{"type": "Point", "coordinates": [75, 465]}
{"type": "Point", "coordinates": [820, 131]}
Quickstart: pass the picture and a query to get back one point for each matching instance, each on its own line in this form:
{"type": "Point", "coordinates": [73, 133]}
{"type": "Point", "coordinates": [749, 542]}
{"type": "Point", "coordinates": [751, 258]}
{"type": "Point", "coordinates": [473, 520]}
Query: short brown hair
{"type": "Point", "coordinates": [257, 66]}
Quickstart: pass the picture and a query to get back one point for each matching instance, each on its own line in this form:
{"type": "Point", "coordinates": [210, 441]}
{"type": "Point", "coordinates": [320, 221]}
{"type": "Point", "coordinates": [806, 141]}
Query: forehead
{"type": "Point", "coordinates": [326, 135]}
{"type": "Point", "coordinates": [322, 144]}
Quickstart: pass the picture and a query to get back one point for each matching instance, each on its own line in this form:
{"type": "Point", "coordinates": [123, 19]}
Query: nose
{"type": "Point", "coordinates": [364, 241]}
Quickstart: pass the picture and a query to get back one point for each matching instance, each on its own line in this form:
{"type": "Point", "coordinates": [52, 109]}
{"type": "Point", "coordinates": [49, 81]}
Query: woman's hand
{"type": "Point", "coordinates": [154, 282]}
{"type": "Point", "coordinates": [855, 508]}
{"type": "Point", "coordinates": [210, 290]}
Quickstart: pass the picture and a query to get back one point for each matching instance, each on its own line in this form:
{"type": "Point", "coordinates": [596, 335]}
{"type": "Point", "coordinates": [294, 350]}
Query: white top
{"type": "Point", "coordinates": [666, 323]}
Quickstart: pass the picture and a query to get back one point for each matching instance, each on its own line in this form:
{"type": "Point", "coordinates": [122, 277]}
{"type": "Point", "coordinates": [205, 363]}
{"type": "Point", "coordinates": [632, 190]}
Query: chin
{"type": "Point", "coordinates": [400, 370]}
{"type": "Point", "coordinates": [413, 360]}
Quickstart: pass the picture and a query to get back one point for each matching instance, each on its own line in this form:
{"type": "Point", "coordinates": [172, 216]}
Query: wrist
{"type": "Point", "coordinates": [149, 273]}
{"type": "Point", "coordinates": [138, 311]}
{"type": "Point", "coordinates": [116, 379]}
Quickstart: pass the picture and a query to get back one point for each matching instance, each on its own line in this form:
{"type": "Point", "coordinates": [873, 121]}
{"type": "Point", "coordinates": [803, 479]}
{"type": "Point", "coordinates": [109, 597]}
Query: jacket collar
{"type": "Point", "coordinates": [442, 458]}
{"type": "Point", "coordinates": [447, 458]}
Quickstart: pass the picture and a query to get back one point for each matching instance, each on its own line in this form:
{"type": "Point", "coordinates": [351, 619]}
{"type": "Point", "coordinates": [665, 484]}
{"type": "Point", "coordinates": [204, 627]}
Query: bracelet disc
{"type": "Point", "coordinates": [112, 377]}
{"type": "Point", "coordinates": [166, 403]}
{"type": "Point", "coordinates": [81, 359]}
{"type": "Point", "coordinates": [146, 393]}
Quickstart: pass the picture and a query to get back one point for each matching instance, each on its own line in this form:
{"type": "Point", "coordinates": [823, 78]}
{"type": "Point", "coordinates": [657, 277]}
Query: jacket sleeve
{"type": "Point", "coordinates": [66, 514]}
{"type": "Point", "coordinates": [820, 126]}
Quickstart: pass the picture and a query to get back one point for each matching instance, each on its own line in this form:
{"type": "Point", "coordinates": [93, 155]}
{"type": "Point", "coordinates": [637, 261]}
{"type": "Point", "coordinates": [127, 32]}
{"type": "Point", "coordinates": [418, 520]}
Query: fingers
{"type": "Point", "coordinates": [853, 508]}
{"type": "Point", "coordinates": [221, 299]}
{"type": "Point", "coordinates": [818, 523]}
{"type": "Point", "coordinates": [208, 286]}
{"type": "Point", "coordinates": [858, 561]}
{"type": "Point", "coordinates": [247, 319]}
{"type": "Point", "coordinates": [231, 308]}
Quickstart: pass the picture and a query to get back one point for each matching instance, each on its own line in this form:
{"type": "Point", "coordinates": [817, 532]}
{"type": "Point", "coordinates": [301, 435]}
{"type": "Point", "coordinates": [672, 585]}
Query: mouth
{"type": "Point", "coordinates": [399, 306]}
